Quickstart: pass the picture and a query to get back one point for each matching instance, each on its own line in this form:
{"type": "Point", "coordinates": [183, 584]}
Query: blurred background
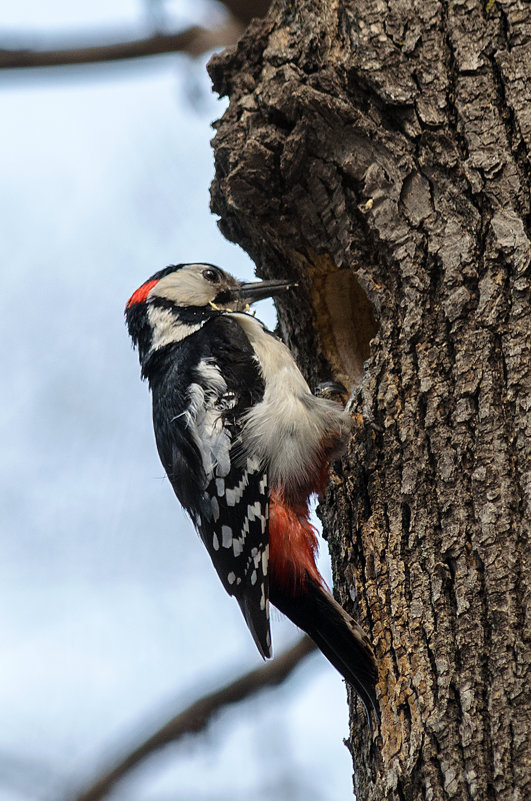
{"type": "Point", "coordinates": [112, 618]}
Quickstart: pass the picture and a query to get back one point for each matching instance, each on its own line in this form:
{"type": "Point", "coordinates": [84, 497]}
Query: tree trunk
{"type": "Point", "coordinates": [379, 152]}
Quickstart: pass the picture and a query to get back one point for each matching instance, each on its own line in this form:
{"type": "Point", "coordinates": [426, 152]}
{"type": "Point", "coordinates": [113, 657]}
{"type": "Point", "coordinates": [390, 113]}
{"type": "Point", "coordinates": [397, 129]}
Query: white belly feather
{"type": "Point", "coordinates": [287, 428]}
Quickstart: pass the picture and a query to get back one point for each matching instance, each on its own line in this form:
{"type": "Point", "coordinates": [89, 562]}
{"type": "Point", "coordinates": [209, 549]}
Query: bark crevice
{"type": "Point", "coordinates": [379, 153]}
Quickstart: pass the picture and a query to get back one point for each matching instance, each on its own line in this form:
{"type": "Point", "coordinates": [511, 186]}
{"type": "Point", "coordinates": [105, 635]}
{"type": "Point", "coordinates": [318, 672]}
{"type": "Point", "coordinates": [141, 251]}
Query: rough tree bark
{"type": "Point", "coordinates": [379, 151]}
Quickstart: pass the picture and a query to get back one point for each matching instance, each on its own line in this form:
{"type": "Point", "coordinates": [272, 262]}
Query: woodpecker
{"type": "Point", "coordinates": [245, 443]}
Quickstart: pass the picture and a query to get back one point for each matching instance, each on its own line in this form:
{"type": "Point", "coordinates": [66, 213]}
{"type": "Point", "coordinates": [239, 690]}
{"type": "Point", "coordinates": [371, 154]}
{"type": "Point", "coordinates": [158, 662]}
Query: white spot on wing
{"type": "Point", "coordinates": [265, 560]}
{"type": "Point", "coordinates": [234, 495]}
{"type": "Point", "coordinates": [254, 510]}
{"type": "Point", "coordinates": [226, 536]}
{"type": "Point", "coordinates": [253, 464]}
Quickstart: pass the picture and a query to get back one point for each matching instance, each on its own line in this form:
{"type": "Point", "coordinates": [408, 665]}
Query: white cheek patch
{"type": "Point", "coordinates": [166, 328]}
{"type": "Point", "coordinates": [186, 287]}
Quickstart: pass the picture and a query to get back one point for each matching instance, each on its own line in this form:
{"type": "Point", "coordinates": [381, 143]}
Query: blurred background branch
{"type": "Point", "coordinates": [193, 40]}
{"type": "Point", "coordinates": [195, 718]}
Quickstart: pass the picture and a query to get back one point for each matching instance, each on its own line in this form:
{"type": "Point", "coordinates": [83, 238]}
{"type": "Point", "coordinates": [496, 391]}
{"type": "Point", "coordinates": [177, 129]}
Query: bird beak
{"type": "Point", "coordinates": [257, 290]}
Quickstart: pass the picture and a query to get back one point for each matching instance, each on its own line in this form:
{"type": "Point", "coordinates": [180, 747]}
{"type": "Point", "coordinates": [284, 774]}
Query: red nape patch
{"type": "Point", "coordinates": [141, 293]}
{"type": "Point", "coordinates": [292, 544]}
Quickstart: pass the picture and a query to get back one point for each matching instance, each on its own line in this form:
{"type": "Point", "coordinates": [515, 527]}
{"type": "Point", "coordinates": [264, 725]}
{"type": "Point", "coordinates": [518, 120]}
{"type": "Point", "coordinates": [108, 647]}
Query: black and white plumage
{"type": "Point", "coordinates": [244, 443]}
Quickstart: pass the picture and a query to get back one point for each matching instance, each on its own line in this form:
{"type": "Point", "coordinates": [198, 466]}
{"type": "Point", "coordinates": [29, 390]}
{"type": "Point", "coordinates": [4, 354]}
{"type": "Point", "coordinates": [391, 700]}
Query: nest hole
{"type": "Point", "coordinates": [344, 319]}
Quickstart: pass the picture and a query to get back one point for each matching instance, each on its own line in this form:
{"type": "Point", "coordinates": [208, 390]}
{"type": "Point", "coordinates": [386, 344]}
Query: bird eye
{"type": "Point", "coordinates": [212, 276]}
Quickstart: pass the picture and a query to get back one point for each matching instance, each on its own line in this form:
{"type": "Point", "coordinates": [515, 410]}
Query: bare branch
{"type": "Point", "coordinates": [193, 41]}
{"type": "Point", "coordinates": [196, 717]}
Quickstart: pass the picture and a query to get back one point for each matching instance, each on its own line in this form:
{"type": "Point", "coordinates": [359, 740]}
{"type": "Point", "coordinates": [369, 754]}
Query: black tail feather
{"type": "Point", "coordinates": [336, 634]}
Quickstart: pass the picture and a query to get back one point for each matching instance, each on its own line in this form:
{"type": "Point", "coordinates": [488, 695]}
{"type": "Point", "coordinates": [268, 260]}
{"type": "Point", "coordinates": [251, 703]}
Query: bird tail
{"type": "Point", "coordinates": [336, 634]}
{"type": "Point", "coordinates": [298, 591]}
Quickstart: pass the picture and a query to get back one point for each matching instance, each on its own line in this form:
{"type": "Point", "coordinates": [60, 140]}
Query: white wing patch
{"type": "Point", "coordinates": [234, 526]}
{"type": "Point", "coordinates": [208, 399]}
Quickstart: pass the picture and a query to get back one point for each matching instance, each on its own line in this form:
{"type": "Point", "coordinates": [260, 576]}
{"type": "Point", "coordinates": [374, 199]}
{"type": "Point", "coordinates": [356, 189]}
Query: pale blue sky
{"type": "Point", "coordinates": [111, 612]}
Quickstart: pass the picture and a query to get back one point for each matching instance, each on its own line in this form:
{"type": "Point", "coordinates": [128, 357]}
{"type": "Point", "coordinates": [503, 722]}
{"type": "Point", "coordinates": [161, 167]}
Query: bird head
{"type": "Point", "coordinates": [177, 301]}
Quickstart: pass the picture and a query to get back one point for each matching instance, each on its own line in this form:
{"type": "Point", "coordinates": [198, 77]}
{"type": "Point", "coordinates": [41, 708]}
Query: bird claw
{"type": "Point", "coordinates": [331, 390]}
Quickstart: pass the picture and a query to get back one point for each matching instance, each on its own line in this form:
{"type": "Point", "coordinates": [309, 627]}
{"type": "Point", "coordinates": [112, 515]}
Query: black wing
{"type": "Point", "coordinates": [236, 536]}
{"type": "Point", "coordinates": [224, 491]}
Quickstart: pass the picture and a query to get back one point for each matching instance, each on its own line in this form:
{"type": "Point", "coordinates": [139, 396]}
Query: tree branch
{"type": "Point", "coordinates": [193, 41]}
{"type": "Point", "coordinates": [196, 717]}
